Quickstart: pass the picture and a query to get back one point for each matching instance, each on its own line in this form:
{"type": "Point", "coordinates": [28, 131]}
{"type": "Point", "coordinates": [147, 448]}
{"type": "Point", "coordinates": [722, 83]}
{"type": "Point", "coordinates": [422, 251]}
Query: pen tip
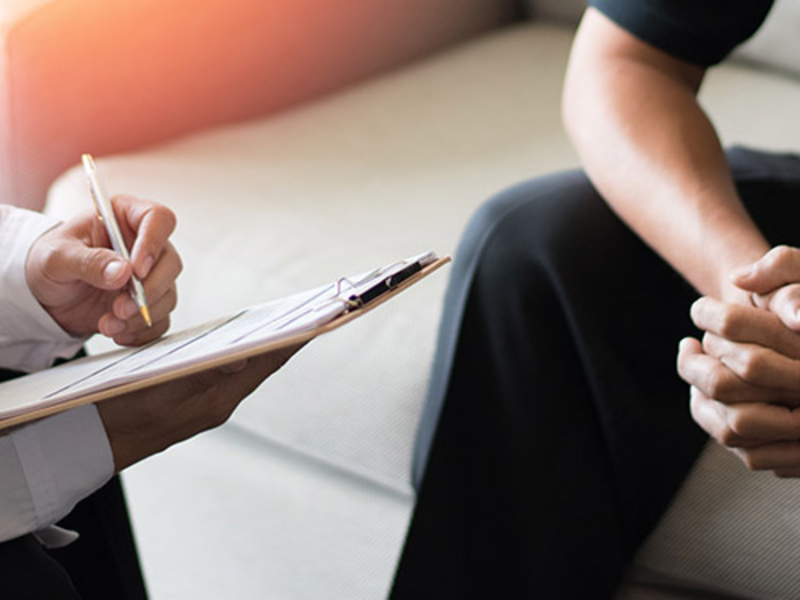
{"type": "Point", "coordinates": [146, 315]}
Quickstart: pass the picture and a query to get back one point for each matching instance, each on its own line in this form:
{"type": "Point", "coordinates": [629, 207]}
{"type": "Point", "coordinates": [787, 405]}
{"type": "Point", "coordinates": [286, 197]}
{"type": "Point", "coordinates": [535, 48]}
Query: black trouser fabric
{"type": "Point", "coordinates": [102, 564]}
{"type": "Point", "coordinates": [556, 430]}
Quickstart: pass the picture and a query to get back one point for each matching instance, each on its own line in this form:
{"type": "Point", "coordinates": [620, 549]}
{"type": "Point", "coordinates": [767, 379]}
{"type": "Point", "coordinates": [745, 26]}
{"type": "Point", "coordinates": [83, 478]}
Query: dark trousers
{"type": "Point", "coordinates": [101, 565]}
{"type": "Point", "coordinates": [556, 430]}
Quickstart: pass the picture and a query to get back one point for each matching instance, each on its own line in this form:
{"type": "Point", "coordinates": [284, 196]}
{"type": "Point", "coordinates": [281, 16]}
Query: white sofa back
{"type": "Point", "coordinates": [106, 77]}
{"type": "Point", "coordinates": [777, 44]}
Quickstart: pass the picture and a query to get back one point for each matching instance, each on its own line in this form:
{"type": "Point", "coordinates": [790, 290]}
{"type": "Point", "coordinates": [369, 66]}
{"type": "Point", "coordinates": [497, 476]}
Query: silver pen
{"type": "Point", "coordinates": [105, 211]}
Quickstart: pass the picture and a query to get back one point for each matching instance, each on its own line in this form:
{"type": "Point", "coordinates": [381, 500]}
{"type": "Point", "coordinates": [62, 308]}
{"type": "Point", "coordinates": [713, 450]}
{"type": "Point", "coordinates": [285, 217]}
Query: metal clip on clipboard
{"type": "Point", "coordinates": [390, 277]}
{"type": "Point", "coordinates": [350, 294]}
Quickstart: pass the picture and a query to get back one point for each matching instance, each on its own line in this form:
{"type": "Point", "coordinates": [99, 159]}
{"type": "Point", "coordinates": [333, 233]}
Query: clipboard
{"type": "Point", "coordinates": [280, 323]}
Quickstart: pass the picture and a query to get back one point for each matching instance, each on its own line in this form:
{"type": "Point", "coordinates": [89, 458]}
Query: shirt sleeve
{"type": "Point", "coordinates": [30, 339]}
{"type": "Point", "coordinates": [702, 33]}
{"type": "Point", "coordinates": [47, 467]}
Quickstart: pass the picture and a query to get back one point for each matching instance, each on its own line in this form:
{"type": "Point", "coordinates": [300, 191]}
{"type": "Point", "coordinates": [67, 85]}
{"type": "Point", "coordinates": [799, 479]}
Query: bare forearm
{"type": "Point", "coordinates": [652, 152]}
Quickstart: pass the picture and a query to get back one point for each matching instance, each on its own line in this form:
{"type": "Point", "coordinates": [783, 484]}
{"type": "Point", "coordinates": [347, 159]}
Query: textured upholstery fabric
{"type": "Point", "coordinates": [729, 531]}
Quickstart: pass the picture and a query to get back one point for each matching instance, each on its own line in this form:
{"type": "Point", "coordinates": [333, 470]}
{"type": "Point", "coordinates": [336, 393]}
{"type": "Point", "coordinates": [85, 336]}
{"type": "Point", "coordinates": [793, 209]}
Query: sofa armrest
{"type": "Point", "coordinates": [106, 77]}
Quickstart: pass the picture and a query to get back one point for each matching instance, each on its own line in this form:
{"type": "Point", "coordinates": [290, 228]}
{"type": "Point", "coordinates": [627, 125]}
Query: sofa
{"type": "Point", "coordinates": [300, 142]}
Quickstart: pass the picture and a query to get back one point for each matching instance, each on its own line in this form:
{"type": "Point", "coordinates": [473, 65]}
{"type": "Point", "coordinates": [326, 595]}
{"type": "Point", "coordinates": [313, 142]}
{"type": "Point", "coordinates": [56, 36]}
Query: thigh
{"type": "Point", "coordinates": [547, 264]}
{"type": "Point", "coordinates": [561, 426]}
{"type": "Point", "coordinates": [559, 223]}
{"type": "Point", "coordinates": [562, 430]}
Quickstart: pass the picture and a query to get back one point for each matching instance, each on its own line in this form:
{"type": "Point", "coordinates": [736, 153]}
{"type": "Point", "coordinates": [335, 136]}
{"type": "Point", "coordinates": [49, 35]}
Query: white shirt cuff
{"type": "Point", "coordinates": [64, 459]}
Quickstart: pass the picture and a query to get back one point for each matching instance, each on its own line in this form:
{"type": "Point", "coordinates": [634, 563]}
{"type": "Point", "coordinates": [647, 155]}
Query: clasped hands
{"type": "Point", "coordinates": [745, 373]}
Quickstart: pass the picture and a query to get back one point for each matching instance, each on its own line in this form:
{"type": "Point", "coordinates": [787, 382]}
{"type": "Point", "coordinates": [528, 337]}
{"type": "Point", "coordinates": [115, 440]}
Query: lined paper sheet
{"type": "Point", "coordinates": [208, 344]}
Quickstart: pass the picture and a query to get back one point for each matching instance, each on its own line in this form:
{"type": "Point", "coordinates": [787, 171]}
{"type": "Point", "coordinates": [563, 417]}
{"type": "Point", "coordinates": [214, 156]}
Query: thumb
{"type": "Point", "coordinates": [778, 267]}
{"type": "Point", "coordinates": [99, 267]}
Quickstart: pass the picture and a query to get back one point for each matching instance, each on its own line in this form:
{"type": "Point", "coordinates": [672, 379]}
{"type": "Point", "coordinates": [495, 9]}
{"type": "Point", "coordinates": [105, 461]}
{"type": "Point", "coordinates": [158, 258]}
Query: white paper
{"type": "Point", "coordinates": [250, 328]}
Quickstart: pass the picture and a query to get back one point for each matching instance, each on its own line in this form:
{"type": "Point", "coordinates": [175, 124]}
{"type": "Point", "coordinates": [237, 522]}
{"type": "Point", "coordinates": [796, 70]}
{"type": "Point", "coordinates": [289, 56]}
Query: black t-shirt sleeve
{"type": "Point", "coordinates": [702, 32]}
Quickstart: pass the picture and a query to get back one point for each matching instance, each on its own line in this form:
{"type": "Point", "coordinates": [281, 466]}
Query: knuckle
{"type": "Point", "coordinates": [740, 427]}
{"type": "Point", "coordinates": [728, 437]}
{"type": "Point", "coordinates": [165, 216]}
{"type": "Point", "coordinates": [752, 365]}
{"type": "Point", "coordinates": [708, 343]}
{"type": "Point", "coordinates": [719, 385]}
{"type": "Point", "coordinates": [729, 322]}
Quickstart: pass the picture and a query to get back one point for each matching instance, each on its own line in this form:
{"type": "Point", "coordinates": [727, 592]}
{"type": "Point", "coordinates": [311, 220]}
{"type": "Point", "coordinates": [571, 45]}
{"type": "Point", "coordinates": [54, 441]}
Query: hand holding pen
{"type": "Point", "coordinates": [87, 287]}
{"type": "Point", "coordinates": [105, 212]}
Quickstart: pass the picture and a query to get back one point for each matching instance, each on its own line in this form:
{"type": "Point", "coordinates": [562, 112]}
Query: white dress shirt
{"type": "Point", "coordinates": [48, 466]}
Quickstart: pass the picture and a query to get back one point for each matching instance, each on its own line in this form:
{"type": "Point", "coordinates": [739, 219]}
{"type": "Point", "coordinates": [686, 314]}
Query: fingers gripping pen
{"type": "Point", "coordinates": [106, 213]}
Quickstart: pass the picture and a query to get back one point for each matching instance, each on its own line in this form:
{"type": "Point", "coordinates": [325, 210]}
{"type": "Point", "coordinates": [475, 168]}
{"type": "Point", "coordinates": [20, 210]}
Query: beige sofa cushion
{"type": "Point", "coordinates": [777, 44]}
{"type": "Point", "coordinates": [730, 532]}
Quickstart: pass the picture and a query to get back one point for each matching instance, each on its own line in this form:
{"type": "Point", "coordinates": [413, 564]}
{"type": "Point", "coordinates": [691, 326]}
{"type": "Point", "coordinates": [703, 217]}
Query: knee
{"type": "Point", "coordinates": [541, 222]}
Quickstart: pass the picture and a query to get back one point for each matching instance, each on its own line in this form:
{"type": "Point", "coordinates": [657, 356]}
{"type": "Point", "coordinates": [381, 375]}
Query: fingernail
{"type": "Point", "coordinates": [113, 270]}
